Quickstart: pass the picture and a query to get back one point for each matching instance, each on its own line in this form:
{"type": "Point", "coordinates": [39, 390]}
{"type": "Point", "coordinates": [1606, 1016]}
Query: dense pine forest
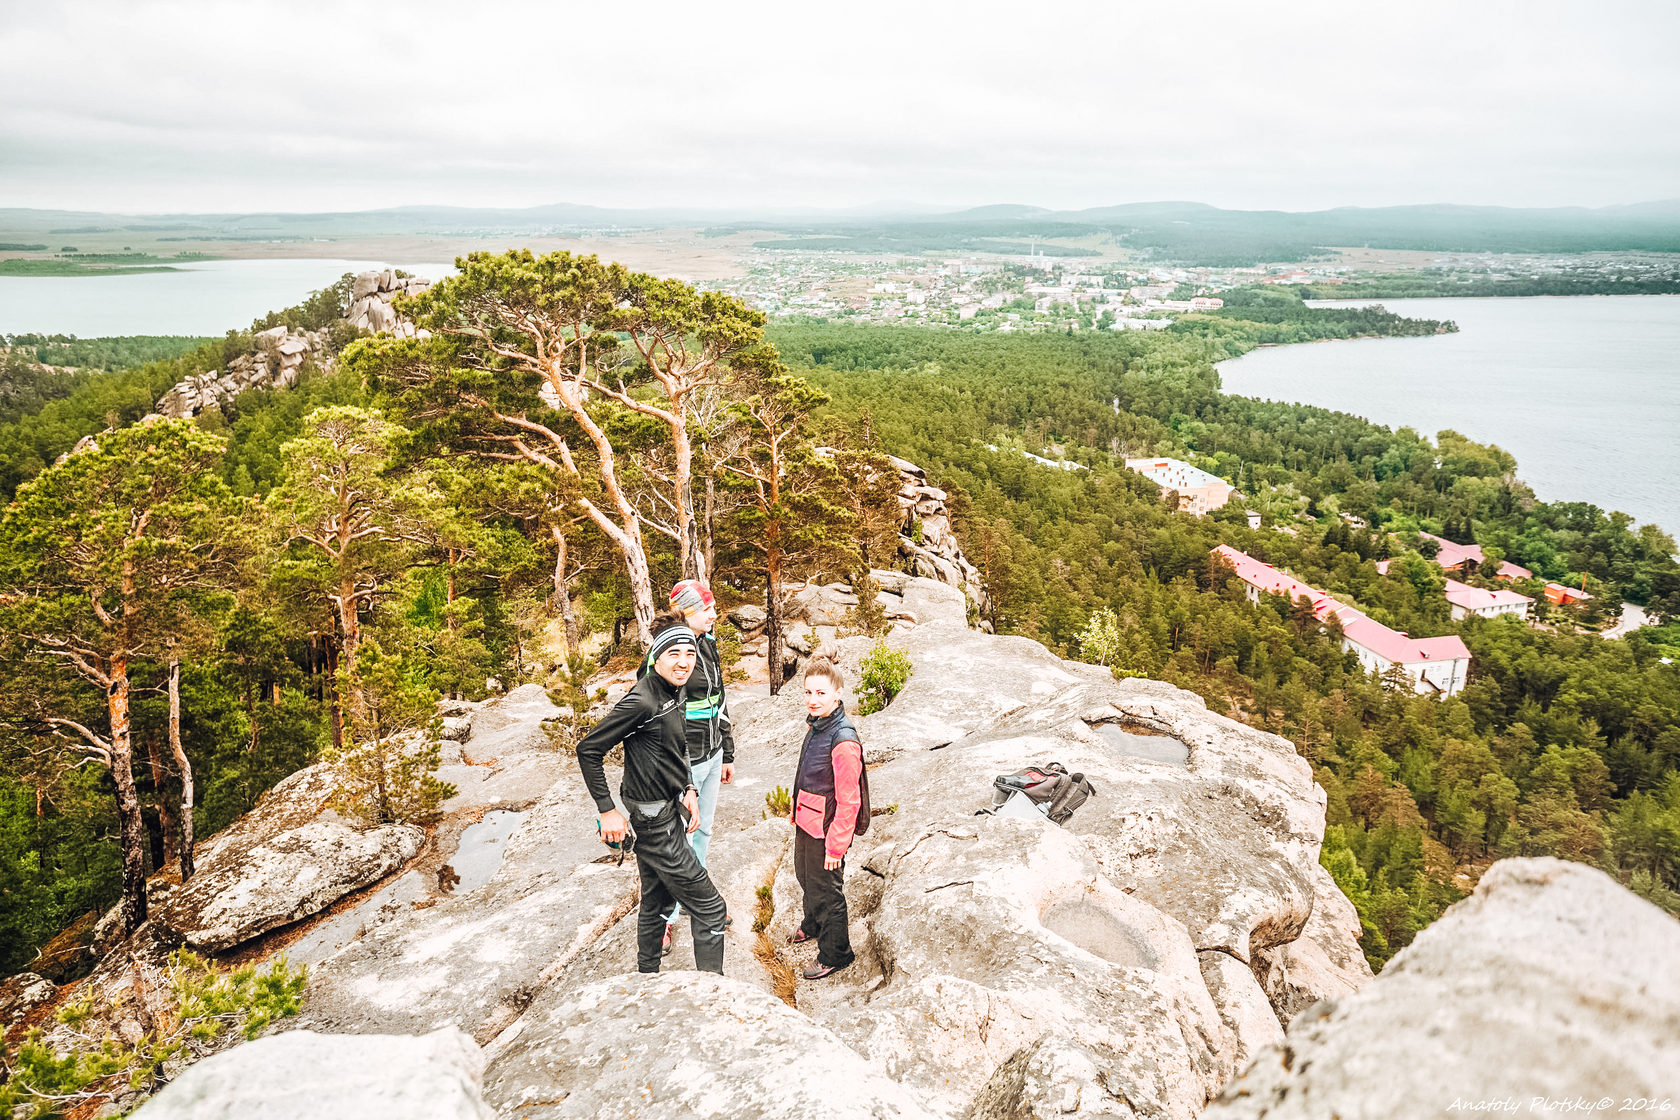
{"type": "Point", "coordinates": [1564, 743]}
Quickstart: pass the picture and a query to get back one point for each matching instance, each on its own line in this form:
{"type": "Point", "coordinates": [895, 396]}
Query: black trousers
{"type": "Point", "coordinates": [671, 874]}
{"type": "Point", "coordinates": [825, 900]}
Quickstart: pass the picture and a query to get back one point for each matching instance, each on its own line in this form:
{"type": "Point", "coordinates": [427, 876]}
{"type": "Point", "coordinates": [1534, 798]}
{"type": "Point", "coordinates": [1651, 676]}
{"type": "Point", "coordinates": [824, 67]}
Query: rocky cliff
{"type": "Point", "coordinates": [1129, 964]}
{"type": "Point", "coordinates": [278, 354]}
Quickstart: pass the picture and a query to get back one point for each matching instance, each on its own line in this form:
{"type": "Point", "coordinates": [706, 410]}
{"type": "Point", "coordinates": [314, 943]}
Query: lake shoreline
{"type": "Point", "coordinates": [1584, 399]}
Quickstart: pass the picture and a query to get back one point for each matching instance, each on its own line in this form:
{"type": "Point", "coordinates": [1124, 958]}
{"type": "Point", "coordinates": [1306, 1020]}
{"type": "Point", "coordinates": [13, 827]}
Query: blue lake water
{"type": "Point", "coordinates": [202, 298]}
{"type": "Point", "coordinates": [1583, 390]}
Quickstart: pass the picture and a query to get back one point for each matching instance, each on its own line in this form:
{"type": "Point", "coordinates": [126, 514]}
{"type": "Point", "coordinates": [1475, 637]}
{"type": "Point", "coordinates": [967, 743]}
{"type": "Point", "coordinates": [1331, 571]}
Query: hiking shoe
{"type": "Point", "coordinates": [798, 936]}
{"type": "Point", "coordinates": [728, 921]}
{"type": "Point", "coordinates": [818, 971]}
{"type": "Point", "coordinates": [665, 946]}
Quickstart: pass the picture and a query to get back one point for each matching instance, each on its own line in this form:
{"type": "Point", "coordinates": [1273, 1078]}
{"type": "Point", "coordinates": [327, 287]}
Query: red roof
{"type": "Point", "coordinates": [1452, 554]}
{"type": "Point", "coordinates": [1508, 570]}
{"type": "Point", "coordinates": [1357, 627]}
{"type": "Point", "coordinates": [1463, 595]}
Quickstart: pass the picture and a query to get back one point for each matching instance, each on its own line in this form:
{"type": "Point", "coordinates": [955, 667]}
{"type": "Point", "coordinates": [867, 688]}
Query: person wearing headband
{"type": "Point", "coordinates": [660, 800]}
{"type": "Point", "coordinates": [711, 742]}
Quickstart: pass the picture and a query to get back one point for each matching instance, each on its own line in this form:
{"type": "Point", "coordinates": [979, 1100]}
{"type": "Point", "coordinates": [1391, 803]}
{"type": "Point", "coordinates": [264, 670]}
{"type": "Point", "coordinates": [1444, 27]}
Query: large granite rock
{"type": "Point", "coordinates": [1012, 970]}
{"type": "Point", "coordinates": [308, 1076]}
{"type": "Point", "coordinates": [289, 858]}
{"type": "Point", "coordinates": [1551, 983]}
{"type": "Point", "coordinates": [685, 1046]}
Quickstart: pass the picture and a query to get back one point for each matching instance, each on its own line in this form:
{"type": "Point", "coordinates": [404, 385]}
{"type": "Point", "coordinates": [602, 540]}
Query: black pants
{"type": "Point", "coordinates": [825, 900]}
{"type": "Point", "coordinates": [670, 874]}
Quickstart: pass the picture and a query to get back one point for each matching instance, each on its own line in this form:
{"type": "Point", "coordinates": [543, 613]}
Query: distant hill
{"type": "Point", "coordinates": [1189, 232]}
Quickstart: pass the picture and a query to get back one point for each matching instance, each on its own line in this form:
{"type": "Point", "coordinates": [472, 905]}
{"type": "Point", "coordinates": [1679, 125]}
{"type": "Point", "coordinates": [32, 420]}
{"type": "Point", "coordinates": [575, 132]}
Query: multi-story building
{"type": "Point", "coordinates": [1466, 600]}
{"type": "Point", "coordinates": [1434, 664]}
{"type": "Point", "coordinates": [1198, 491]}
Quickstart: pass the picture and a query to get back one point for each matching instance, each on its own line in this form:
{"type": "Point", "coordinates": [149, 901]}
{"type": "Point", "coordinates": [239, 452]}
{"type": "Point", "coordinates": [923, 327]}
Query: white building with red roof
{"type": "Point", "coordinates": [1434, 664]}
{"type": "Point", "coordinates": [1466, 600]}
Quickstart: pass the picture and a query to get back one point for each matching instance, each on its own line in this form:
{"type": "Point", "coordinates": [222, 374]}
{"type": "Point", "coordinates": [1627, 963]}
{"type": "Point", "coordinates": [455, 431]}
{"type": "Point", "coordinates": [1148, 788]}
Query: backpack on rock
{"type": "Point", "coordinates": [1049, 786]}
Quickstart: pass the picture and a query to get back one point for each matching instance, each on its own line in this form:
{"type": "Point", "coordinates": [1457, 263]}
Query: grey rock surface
{"type": "Point", "coordinates": [21, 994]}
{"type": "Point", "coordinates": [288, 859]}
{"type": "Point", "coordinates": [1551, 982]}
{"type": "Point", "coordinates": [686, 1046]}
{"type": "Point", "coordinates": [999, 940]}
{"type": "Point", "coordinates": [308, 1076]}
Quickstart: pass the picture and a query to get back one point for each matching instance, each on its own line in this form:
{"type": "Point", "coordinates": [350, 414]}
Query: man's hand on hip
{"type": "Point", "coordinates": [612, 826]}
{"type": "Point", "coordinates": [691, 806]}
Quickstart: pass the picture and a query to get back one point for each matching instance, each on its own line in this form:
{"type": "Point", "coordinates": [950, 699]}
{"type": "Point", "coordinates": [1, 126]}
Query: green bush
{"type": "Point", "coordinates": [885, 673]}
{"type": "Point", "coordinates": [205, 1003]}
{"type": "Point", "coordinates": [779, 801]}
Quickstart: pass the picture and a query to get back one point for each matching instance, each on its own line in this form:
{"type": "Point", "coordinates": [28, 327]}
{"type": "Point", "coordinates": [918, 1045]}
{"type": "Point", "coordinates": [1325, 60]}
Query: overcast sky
{"type": "Point", "coordinates": [297, 105]}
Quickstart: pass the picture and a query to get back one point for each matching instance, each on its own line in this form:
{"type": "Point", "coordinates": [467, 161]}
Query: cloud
{"type": "Point", "coordinates": [298, 106]}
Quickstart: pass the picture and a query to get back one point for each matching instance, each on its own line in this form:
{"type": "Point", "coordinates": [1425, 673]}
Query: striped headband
{"type": "Point", "coordinates": [690, 595]}
{"type": "Point", "coordinates": [668, 637]}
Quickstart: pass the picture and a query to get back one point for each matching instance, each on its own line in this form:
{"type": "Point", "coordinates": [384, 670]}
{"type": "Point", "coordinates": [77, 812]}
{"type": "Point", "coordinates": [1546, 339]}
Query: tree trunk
{"type": "Point", "coordinates": [185, 768]}
{"type": "Point", "coordinates": [128, 800]}
{"type": "Point", "coordinates": [563, 593]}
{"type": "Point", "coordinates": [641, 592]}
{"type": "Point", "coordinates": [449, 616]}
{"type": "Point", "coordinates": [688, 528]}
{"type": "Point", "coordinates": [773, 619]}
{"type": "Point", "coordinates": [335, 701]}
{"type": "Point", "coordinates": [165, 810]}
{"type": "Point", "coordinates": [711, 524]}
{"type": "Point", "coordinates": [350, 638]}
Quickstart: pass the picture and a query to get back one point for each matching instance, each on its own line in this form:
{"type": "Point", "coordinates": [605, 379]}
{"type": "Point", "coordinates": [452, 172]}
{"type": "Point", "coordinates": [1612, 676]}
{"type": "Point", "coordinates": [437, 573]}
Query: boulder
{"type": "Point", "coordinates": [21, 994]}
{"type": "Point", "coordinates": [1550, 983]}
{"type": "Point", "coordinates": [685, 1046]}
{"type": "Point", "coordinates": [457, 728]}
{"type": "Point", "coordinates": [1013, 973]}
{"type": "Point", "coordinates": [747, 617]}
{"type": "Point", "coordinates": [823, 605]}
{"type": "Point", "coordinates": [240, 892]}
{"type": "Point", "coordinates": [306, 1076]}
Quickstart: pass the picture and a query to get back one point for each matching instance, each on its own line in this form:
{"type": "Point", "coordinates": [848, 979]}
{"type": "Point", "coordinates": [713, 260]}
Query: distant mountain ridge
{"type": "Point", "coordinates": [1169, 230]}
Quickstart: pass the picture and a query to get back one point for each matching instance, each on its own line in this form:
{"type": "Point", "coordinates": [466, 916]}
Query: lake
{"type": "Point", "coordinates": [1583, 390]}
{"type": "Point", "coordinates": [203, 298]}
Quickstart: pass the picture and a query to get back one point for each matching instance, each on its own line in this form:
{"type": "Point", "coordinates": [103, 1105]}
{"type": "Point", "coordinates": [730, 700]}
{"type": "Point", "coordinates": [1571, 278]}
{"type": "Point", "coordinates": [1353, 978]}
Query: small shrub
{"type": "Point", "coordinates": [204, 1004]}
{"type": "Point", "coordinates": [387, 765]}
{"type": "Point", "coordinates": [868, 617]}
{"type": "Point", "coordinates": [885, 673]}
{"type": "Point", "coordinates": [779, 801]}
{"type": "Point", "coordinates": [729, 652]}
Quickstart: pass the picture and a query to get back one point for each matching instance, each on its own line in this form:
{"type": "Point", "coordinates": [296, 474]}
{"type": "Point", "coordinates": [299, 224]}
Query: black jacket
{"type": "Point", "coordinates": [709, 729]}
{"type": "Point", "coordinates": [649, 721]}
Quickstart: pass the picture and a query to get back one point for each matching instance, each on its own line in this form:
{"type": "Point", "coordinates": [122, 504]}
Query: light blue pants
{"type": "Point", "coordinates": [708, 780]}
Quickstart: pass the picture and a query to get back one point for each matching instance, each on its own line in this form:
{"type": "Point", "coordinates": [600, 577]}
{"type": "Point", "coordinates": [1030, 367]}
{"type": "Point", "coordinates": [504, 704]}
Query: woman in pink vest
{"type": "Point", "coordinates": [830, 806]}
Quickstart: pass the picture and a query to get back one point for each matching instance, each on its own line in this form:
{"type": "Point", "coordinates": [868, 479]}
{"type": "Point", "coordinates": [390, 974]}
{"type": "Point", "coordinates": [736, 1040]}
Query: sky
{"type": "Point", "coordinates": [143, 107]}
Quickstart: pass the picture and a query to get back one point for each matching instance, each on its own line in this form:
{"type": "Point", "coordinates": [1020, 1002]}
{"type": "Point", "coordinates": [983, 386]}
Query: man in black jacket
{"type": "Point", "coordinates": [711, 740]}
{"type": "Point", "coordinates": [662, 801]}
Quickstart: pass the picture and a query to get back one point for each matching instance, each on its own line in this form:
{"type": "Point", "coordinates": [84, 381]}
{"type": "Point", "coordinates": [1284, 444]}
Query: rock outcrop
{"type": "Point", "coordinates": [1012, 968]}
{"type": "Point", "coordinates": [279, 353]}
{"type": "Point", "coordinates": [1514, 994]}
{"type": "Point", "coordinates": [274, 363]}
{"type": "Point", "coordinates": [289, 859]}
{"type": "Point", "coordinates": [306, 1076]}
{"type": "Point", "coordinates": [925, 539]}
{"type": "Point", "coordinates": [1128, 964]}
{"type": "Point", "coordinates": [371, 294]}
{"type": "Point", "coordinates": [685, 1046]}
